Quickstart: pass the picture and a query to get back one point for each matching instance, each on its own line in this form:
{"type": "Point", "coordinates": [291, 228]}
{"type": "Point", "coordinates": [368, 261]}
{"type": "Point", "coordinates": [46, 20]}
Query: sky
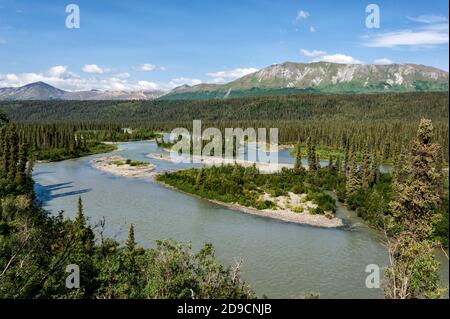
{"type": "Point", "coordinates": [153, 44]}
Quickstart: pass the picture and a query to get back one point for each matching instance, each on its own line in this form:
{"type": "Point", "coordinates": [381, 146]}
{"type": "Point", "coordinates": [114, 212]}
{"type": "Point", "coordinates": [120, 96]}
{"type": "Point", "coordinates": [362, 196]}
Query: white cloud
{"type": "Point", "coordinates": [313, 53]}
{"type": "Point", "coordinates": [181, 81]}
{"type": "Point", "coordinates": [320, 55]}
{"type": "Point", "coordinates": [92, 68]}
{"type": "Point", "coordinates": [312, 29]}
{"type": "Point", "coordinates": [57, 71]}
{"type": "Point", "coordinates": [408, 38]}
{"type": "Point", "coordinates": [429, 19]}
{"type": "Point", "coordinates": [338, 58]}
{"type": "Point", "coordinates": [229, 75]}
{"type": "Point", "coordinates": [146, 85]}
{"type": "Point", "coordinates": [146, 67]}
{"type": "Point", "coordinates": [383, 61]}
{"type": "Point", "coordinates": [60, 77]}
{"type": "Point", "coordinates": [302, 15]}
{"type": "Point", "coordinates": [433, 30]}
{"type": "Point", "coordinates": [123, 75]}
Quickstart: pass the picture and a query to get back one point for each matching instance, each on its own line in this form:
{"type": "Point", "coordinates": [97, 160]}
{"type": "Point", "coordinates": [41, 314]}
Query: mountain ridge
{"type": "Point", "coordinates": [277, 79]}
{"type": "Point", "coordinates": [43, 91]}
{"type": "Point", "coordinates": [325, 77]}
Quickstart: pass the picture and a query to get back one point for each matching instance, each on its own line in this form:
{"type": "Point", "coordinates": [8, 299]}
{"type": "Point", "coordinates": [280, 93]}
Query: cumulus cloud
{"type": "Point", "coordinates": [60, 77]}
{"type": "Point", "coordinates": [123, 75]}
{"type": "Point", "coordinates": [182, 81]}
{"type": "Point", "coordinates": [383, 61]}
{"type": "Point", "coordinates": [320, 55]}
{"type": "Point", "coordinates": [302, 15]}
{"type": "Point", "coordinates": [146, 67]}
{"type": "Point", "coordinates": [93, 68]}
{"type": "Point", "coordinates": [229, 75]}
{"type": "Point", "coordinates": [338, 58]}
{"type": "Point", "coordinates": [312, 29]}
{"type": "Point", "coordinates": [313, 53]}
{"type": "Point", "coordinates": [432, 31]}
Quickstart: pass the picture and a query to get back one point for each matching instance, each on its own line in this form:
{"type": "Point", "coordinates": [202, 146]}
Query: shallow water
{"type": "Point", "coordinates": [281, 259]}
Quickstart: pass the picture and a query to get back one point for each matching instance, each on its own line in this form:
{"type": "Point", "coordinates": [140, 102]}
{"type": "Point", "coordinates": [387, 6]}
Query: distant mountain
{"type": "Point", "coordinates": [279, 79]}
{"type": "Point", "coordinates": [32, 91]}
{"type": "Point", "coordinates": [323, 77]}
{"type": "Point", "coordinates": [44, 91]}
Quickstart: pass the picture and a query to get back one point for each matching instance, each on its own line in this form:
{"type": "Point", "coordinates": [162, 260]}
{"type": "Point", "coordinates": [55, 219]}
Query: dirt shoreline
{"type": "Point", "coordinates": [109, 165]}
{"type": "Point", "coordinates": [211, 160]}
{"type": "Point", "coordinates": [297, 218]}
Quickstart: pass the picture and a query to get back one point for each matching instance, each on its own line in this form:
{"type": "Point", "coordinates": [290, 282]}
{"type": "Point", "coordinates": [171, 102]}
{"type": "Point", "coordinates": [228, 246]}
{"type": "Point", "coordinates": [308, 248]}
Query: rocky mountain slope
{"type": "Point", "coordinates": [323, 77]}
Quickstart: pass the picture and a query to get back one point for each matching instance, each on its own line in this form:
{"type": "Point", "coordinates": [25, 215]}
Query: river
{"type": "Point", "coordinates": [281, 260]}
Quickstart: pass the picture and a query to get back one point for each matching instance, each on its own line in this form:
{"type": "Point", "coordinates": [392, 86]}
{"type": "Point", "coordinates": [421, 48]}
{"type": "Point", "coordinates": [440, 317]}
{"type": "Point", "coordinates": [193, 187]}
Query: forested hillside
{"type": "Point", "coordinates": [386, 122]}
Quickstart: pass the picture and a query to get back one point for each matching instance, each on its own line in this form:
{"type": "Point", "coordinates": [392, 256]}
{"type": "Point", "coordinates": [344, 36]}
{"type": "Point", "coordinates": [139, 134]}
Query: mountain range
{"type": "Point", "coordinates": [44, 91]}
{"type": "Point", "coordinates": [278, 79]}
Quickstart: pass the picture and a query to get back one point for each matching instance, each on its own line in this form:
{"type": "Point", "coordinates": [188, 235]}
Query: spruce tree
{"type": "Point", "coordinates": [330, 164]}
{"type": "Point", "coordinates": [298, 167]}
{"type": "Point", "coordinates": [375, 173]}
{"type": "Point", "coordinates": [200, 177]}
{"type": "Point", "coordinates": [312, 162]}
{"type": "Point", "coordinates": [131, 243]}
{"type": "Point", "coordinates": [413, 270]}
{"type": "Point", "coordinates": [353, 182]}
{"type": "Point", "coordinates": [365, 170]}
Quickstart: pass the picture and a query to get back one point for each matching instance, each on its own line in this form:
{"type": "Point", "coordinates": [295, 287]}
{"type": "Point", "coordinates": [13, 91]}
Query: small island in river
{"type": "Point", "coordinates": [283, 195]}
{"type": "Point", "coordinates": [117, 165]}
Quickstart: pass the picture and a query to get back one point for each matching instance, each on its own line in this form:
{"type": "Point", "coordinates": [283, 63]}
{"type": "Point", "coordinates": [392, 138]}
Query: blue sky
{"type": "Point", "coordinates": [161, 44]}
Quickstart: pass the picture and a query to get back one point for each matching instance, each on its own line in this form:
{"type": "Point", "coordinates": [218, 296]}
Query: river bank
{"type": "Point", "coordinates": [283, 211]}
{"type": "Point", "coordinates": [218, 161]}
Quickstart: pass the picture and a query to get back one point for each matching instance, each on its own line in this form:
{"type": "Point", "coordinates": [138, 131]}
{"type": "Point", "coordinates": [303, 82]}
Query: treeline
{"type": "Point", "coordinates": [386, 122]}
{"type": "Point", "coordinates": [39, 253]}
{"type": "Point", "coordinates": [59, 141]}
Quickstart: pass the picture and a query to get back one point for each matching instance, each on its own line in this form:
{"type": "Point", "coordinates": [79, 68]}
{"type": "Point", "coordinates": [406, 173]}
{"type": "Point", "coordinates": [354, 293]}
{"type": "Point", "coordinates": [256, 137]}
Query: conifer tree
{"type": "Point", "coordinates": [330, 164]}
{"type": "Point", "coordinates": [312, 162]}
{"type": "Point", "coordinates": [413, 270]}
{"type": "Point", "coordinates": [131, 243]}
{"type": "Point", "coordinates": [80, 220]}
{"type": "Point", "coordinates": [365, 170]}
{"type": "Point", "coordinates": [200, 177]}
{"type": "Point", "coordinates": [353, 182]}
{"type": "Point", "coordinates": [298, 167]}
{"type": "Point", "coordinates": [375, 173]}
{"type": "Point", "coordinates": [339, 165]}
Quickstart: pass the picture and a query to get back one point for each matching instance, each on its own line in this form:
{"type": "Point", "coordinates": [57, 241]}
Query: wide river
{"type": "Point", "coordinates": [281, 260]}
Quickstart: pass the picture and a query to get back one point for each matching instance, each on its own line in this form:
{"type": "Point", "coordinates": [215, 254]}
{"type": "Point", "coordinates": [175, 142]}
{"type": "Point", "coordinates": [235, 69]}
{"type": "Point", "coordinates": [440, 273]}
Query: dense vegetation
{"type": "Point", "coordinates": [56, 142]}
{"type": "Point", "coordinates": [386, 122]}
{"type": "Point", "coordinates": [245, 185]}
{"type": "Point", "coordinates": [36, 248]}
{"type": "Point", "coordinates": [355, 132]}
{"type": "Point", "coordinates": [410, 206]}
